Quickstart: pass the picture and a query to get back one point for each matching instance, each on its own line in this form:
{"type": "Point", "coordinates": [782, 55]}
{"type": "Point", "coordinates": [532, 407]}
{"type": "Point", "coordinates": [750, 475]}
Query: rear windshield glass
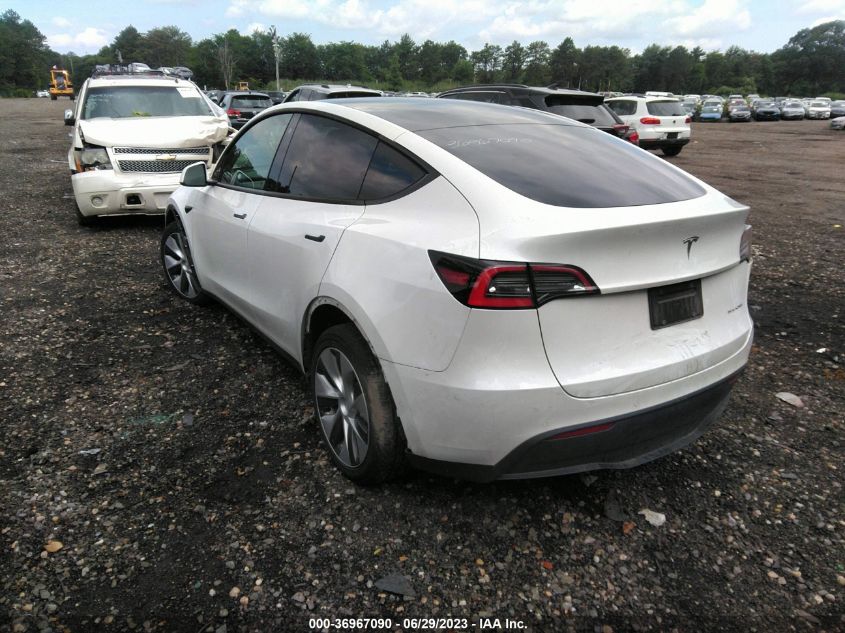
{"type": "Point", "coordinates": [251, 101]}
{"type": "Point", "coordinates": [350, 95]}
{"type": "Point", "coordinates": [566, 165]}
{"type": "Point", "coordinates": [665, 108]}
{"type": "Point", "coordinates": [121, 102]}
{"type": "Point", "coordinates": [590, 114]}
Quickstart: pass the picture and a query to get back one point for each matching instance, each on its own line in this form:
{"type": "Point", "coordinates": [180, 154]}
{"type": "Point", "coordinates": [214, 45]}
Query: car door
{"type": "Point", "coordinates": [294, 235]}
{"type": "Point", "coordinates": [222, 210]}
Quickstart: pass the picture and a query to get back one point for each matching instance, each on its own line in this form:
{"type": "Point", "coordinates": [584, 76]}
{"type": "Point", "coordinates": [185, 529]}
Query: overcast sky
{"type": "Point", "coordinates": [83, 26]}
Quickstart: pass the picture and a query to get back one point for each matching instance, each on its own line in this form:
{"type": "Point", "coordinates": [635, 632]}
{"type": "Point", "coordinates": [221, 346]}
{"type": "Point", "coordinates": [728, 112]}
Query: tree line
{"type": "Point", "coordinates": [811, 63]}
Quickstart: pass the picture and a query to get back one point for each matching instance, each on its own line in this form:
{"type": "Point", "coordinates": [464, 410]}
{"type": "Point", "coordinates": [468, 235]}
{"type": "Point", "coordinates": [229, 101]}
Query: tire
{"type": "Point", "coordinates": [53, 97]}
{"type": "Point", "coordinates": [671, 151]}
{"type": "Point", "coordinates": [367, 446]}
{"type": "Point", "coordinates": [178, 266]}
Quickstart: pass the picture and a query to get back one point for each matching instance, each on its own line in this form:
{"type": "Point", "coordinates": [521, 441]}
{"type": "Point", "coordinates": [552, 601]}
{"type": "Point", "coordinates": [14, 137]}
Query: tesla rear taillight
{"type": "Point", "coordinates": [688, 119]}
{"type": "Point", "coordinates": [620, 129]}
{"type": "Point", "coordinates": [479, 283]}
{"type": "Point", "coordinates": [233, 112]}
{"type": "Point", "coordinates": [650, 120]}
{"type": "Point", "coordinates": [745, 245]}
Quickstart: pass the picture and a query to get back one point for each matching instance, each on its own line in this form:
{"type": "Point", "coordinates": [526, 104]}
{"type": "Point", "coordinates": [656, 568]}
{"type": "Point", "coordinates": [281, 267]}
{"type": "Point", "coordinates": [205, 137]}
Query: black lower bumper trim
{"type": "Point", "coordinates": [629, 441]}
{"type": "Point", "coordinates": [665, 142]}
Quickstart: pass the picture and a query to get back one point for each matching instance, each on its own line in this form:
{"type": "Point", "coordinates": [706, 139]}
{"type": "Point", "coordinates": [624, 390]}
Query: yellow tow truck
{"type": "Point", "coordinates": [60, 84]}
{"type": "Point", "coordinates": [243, 85]}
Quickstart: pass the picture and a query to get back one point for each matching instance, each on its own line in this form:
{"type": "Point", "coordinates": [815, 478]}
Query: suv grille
{"type": "Point", "coordinates": [198, 151]}
{"type": "Point", "coordinates": [154, 166]}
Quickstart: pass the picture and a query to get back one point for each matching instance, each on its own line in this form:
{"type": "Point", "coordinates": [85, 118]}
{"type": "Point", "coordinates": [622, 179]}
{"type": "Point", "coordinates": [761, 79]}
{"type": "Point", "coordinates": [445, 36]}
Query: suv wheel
{"type": "Point", "coordinates": [178, 266]}
{"type": "Point", "coordinates": [671, 151]}
{"type": "Point", "coordinates": [354, 408]}
{"type": "Point", "coordinates": [84, 220]}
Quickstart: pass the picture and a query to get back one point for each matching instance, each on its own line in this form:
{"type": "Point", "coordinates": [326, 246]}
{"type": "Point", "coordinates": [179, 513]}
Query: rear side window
{"type": "Point", "coordinates": [566, 165]}
{"type": "Point", "coordinates": [350, 94]}
{"type": "Point", "coordinates": [389, 174]}
{"type": "Point", "coordinates": [626, 107]}
{"type": "Point", "coordinates": [326, 159]}
{"type": "Point", "coordinates": [665, 108]}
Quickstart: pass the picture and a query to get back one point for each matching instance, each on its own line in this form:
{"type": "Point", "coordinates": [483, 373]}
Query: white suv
{"type": "Point", "coordinates": [661, 123]}
{"type": "Point", "coordinates": [482, 290]}
{"type": "Point", "coordinates": [132, 136]}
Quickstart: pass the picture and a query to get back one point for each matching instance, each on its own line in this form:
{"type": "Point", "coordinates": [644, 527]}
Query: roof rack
{"type": "Point", "coordinates": [104, 70]}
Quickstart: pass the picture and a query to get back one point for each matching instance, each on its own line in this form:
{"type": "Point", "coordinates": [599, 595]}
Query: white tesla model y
{"type": "Point", "coordinates": [483, 291]}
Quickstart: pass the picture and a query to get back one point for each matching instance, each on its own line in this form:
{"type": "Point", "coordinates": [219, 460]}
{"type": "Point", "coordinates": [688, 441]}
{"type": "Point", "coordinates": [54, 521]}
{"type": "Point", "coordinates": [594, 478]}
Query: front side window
{"type": "Point", "coordinates": [326, 159]}
{"type": "Point", "coordinates": [247, 162]}
{"type": "Point", "coordinates": [623, 107]}
{"type": "Point", "coordinates": [566, 165]}
{"type": "Point", "coordinates": [123, 102]}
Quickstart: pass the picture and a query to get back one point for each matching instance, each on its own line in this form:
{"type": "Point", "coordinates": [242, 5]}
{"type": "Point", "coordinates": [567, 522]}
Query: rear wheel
{"type": "Point", "coordinates": [671, 151]}
{"type": "Point", "coordinates": [178, 266]}
{"type": "Point", "coordinates": [354, 408]}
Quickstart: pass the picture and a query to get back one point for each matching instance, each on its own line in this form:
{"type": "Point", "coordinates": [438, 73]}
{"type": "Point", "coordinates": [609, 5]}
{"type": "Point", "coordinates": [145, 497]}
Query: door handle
{"type": "Point", "coordinates": [240, 216]}
{"type": "Point", "coordinates": [315, 238]}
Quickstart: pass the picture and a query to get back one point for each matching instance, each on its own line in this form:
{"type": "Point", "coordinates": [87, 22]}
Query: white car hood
{"type": "Point", "coordinates": [181, 131]}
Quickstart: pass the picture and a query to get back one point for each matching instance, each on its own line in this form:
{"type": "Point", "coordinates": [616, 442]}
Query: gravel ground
{"type": "Point", "coordinates": [160, 468]}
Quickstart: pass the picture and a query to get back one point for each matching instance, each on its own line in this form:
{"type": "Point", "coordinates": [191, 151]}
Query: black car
{"type": "Point", "coordinates": [837, 109]}
{"type": "Point", "coordinates": [314, 92]}
{"type": "Point", "coordinates": [767, 112]}
{"type": "Point", "coordinates": [586, 107]}
{"type": "Point", "coordinates": [276, 96]}
{"type": "Point", "coordinates": [242, 106]}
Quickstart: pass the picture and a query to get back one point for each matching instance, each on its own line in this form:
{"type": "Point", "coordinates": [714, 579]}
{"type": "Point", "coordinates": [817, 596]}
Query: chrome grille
{"type": "Point", "coordinates": [154, 166]}
{"type": "Point", "coordinates": [198, 151]}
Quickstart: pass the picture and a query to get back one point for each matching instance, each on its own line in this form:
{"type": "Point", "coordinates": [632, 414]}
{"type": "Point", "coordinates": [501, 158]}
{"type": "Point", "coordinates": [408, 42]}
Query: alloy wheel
{"type": "Point", "coordinates": [342, 407]}
{"type": "Point", "coordinates": [178, 265]}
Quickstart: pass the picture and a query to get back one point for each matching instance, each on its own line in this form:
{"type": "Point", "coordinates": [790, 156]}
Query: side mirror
{"type": "Point", "coordinates": [69, 120]}
{"type": "Point", "coordinates": [194, 176]}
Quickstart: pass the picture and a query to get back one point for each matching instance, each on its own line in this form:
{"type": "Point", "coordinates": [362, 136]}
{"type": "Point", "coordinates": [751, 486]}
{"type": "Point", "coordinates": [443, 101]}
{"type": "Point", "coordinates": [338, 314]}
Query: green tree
{"type": "Point", "coordinates": [167, 46]}
{"type": "Point", "coordinates": [513, 62]}
{"type": "Point", "coordinates": [299, 57]}
{"type": "Point", "coordinates": [131, 45]}
{"type": "Point", "coordinates": [24, 56]}
{"type": "Point", "coordinates": [563, 63]}
{"type": "Point", "coordinates": [487, 61]}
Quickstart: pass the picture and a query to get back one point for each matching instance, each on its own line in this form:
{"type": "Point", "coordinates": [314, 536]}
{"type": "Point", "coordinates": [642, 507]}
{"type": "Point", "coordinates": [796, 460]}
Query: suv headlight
{"type": "Point", "coordinates": [92, 157]}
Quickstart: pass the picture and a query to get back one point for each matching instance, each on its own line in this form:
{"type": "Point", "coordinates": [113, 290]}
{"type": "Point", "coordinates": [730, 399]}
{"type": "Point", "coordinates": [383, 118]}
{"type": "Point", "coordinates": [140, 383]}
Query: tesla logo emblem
{"type": "Point", "coordinates": [689, 242]}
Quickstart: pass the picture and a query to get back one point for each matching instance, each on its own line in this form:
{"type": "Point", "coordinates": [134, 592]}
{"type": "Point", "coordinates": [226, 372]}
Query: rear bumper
{"type": "Point", "coordinates": [661, 143]}
{"type": "Point", "coordinates": [626, 441]}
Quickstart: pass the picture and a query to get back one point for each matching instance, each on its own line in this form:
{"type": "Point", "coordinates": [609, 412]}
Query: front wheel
{"type": "Point", "coordinates": [178, 266]}
{"type": "Point", "coordinates": [671, 151]}
{"type": "Point", "coordinates": [354, 408]}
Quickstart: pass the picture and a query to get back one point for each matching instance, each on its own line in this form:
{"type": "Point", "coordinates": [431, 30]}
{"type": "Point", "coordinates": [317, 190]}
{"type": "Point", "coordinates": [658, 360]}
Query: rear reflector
{"type": "Point", "coordinates": [745, 245]}
{"type": "Point", "coordinates": [479, 283]}
{"type": "Point", "coordinates": [688, 119]}
{"type": "Point", "coordinates": [587, 430]}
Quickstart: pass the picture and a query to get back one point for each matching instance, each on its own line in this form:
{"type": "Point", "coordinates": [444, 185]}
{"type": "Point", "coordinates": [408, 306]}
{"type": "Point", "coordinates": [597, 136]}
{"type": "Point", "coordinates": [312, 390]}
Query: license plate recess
{"type": "Point", "coordinates": [669, 305]}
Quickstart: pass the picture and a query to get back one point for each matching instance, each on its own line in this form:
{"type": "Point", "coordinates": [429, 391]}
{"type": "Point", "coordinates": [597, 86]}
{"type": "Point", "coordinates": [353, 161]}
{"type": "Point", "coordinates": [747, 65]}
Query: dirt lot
{"type": "Point", "coordinates": [175, 457]}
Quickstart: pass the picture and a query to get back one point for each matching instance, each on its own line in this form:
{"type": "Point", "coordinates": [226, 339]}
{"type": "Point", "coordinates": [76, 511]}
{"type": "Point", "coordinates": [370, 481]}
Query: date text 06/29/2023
{"type": "Point", "coordinates": [417, 624]}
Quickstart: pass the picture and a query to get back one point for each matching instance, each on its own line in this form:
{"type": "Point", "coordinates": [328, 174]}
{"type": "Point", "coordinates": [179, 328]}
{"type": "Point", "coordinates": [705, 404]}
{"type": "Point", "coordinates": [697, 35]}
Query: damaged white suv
{"type": "Point", "coordinates": [133, 134]}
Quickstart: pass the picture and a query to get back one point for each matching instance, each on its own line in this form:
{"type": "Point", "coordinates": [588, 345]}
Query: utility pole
{"type": "Point", "coordinates": [276, 53]}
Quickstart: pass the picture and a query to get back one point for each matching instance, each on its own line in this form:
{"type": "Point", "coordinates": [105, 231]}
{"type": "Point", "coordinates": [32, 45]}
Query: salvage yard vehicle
{"type": "Point", "coordinates": [133, 133]}
{"type": "Point", "coordinates": [739, 113]}
{"type": "Point", "coordinates": [818, 109]}
{"type": "Point", "coordinates": [315, 92]}
{"type": "Point", "coordinates": [585, 107]}
{"type": "Point", "coordinates": [661, 123]}
{"type": "Point", "coordinates": [240, 107]}
{"type": "Point", "coordinates": [838, 123]}
{"type": "Point", "coordinates": [60, 84]}
{"type": "Point", "coordinates": [791, 110]}
{"type": "Point", "coordinates": [766, 111]}
{"type": "Point", "coordinates": [711, 111]}
{"type": "Point", "coordinates": [448, 274]}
